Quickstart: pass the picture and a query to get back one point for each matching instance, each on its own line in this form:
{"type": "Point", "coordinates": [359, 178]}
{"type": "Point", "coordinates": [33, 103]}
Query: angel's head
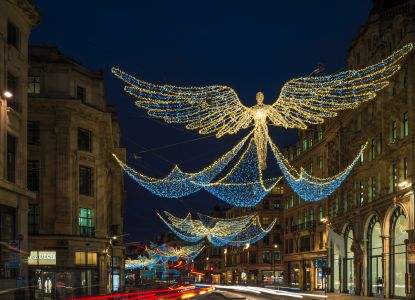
{"type": "Point", "coordinates": [260, 98]}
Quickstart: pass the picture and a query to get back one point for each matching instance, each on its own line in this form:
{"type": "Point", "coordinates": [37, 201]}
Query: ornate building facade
{"type": "Point", "coordinates": [369, 220]}
{"type": "Point", "coordinates": [75, 220]}
{"type": "Point", "coordinates": [259, 263]}
{"type": "Point", "coordinates": [305, 235]}
{"type": "Point", "coordinates": [17, 19]}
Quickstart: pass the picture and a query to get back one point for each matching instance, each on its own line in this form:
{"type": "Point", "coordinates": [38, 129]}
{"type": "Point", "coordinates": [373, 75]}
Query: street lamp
{"type": "Point", "coordinates": [225, 251]}
{"type": "Point", "coordinates": [7, 94]}
{"type": "Point", "coordinates": [247, 260]}
{"type": "Point", "coordinates": [273, 264]}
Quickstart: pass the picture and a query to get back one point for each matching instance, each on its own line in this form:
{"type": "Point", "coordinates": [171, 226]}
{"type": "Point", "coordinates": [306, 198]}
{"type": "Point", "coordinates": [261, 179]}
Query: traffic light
{"type": "Point", "coordinates": [212, 268]}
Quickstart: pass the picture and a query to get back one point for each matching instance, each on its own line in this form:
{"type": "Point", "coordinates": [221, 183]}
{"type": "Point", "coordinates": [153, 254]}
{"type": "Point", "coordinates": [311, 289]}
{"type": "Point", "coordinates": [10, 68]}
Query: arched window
{"type": "Point", "coordinates": [398, 259]}
{"type": "Point", "coordinates": [374, 237]}
{"type": "Point", "coordinates": [349, 266]}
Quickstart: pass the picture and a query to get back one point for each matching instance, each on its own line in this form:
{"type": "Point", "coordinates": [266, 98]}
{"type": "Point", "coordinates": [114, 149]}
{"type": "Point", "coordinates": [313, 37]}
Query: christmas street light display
{"type": "Point", "coordinates": [242, 186]}
{"type": "Point", "coordinates": [220, 232]}
{"type": "Point", "coordinates": [302, 101]}
{"type": "Point", "coordinates": [140, 263]}
{"type": "Point", "coordinates": [178, 183]}
{"type": "Point", "coordinates": [308, 187]}
{"type": "Point", "coordinates": [168, 253]}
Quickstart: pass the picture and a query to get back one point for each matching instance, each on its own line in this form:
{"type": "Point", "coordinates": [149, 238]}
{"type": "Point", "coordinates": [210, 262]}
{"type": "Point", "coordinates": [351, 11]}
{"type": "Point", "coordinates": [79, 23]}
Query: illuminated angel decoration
{"type": "Point", "coordinates": [169, 253]}
{"type": "Point", "coordinates": [217, 110]}
{"type": "Point", "coordinates": [302, 101]}
{"type": "Point", "coordinates": [233, 232]}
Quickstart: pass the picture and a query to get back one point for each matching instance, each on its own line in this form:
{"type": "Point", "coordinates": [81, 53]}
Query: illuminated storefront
{"type": "Point", "coordinates": [50, 280]}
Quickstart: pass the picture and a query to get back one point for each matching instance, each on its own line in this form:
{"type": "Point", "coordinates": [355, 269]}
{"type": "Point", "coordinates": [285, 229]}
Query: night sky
{"type": "Point", "coordinates": [250, 46]}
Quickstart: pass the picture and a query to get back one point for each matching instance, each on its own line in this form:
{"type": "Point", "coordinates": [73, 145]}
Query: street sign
{"type": "Point", "coordinates": [410, 248]}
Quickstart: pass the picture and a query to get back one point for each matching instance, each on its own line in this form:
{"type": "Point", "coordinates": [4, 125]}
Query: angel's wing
{"type": "Point", "coordinates": [212, 109]}
{"type": "Point", "coordinates": [308, 100]}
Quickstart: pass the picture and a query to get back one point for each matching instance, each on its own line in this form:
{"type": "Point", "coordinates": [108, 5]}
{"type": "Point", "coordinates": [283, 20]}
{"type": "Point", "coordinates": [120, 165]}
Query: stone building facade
{"type": "Point", "coordinates": [75, 220]}
{"type": "Point", "coordinates": [259, 263]}
{"type": "Point", "coordinates": [305, 236]}
{"type": "Point", "coordinates": [17, 19]}
{"type": "Point", "coordinates": [370, 218]}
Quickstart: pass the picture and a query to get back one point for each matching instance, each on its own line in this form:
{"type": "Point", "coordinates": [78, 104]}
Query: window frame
{"type": "Point", "coordinates": [86, 190]}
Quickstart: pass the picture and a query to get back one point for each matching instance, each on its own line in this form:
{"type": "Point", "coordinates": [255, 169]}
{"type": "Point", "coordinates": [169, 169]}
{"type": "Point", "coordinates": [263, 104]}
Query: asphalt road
{"type": "Point", "coordinates": [223, 295]}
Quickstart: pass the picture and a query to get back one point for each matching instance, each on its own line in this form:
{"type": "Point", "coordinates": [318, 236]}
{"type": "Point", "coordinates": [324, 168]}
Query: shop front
{"type": "Point", "coordinates": [273, 279]}
{"type": "Point", "coordinates": [49, 281]}
{"type": "Point", "coordinates": [294, 274]}
{"type": "Point", "coordinates": [319, 275]}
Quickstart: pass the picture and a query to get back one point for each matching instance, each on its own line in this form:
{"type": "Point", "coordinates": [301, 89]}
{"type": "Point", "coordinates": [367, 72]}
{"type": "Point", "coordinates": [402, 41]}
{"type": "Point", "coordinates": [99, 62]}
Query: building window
{"type": "Point", "coordinates": [305, 144]}
{"type": "Point", "coordinates": [405, 168]}
{"type": "Point", "coordinates": [398, 252]}
{"type": "Point", "coordinates": [85, 180]}
{"type": "Point", "coordinates": [7, 233]}
{"type": "Point", "coordinates": [33, 221]}
{"type": "Point", "coordinates": [305, 216]}
{"type": "Point", "coordinates": [80, 93]}
{"type": "Point", "coordinates": [276, 204]}
{"type": "Point", "coordinates": [265, 204]}
{"type": "Point", "coordinates": [372, 149]}
{"type": "Point", "coordinates": [265, 240]}
{"type": "Point", "coordinates": [305, 243]}
{"type": "Point", "coordinates": [320, 162]}
{"type": "Point", "coordinates": [265, 257]}
{"type": "Point", "coordinates": [311, 168]}
{"type": "Point", "coordinates": [320, 135]}
{"type": "Point", "coordinates": [33, 137]}
{"type": "Point", "coordinates": [310, 142]}
{"type": "Point", "coordinates": [405, 124]}
{"type": "Point", "coordinates": [13, 87]}
{"type": "Point", "coordinates": [86, 222]}
{"type": "Point", "coordinates": [11, 157]}
{"type": "Point", "coordinates": [287, 202]}
{"type": "Point", "coordinates": [349, 259]}
{"type": "Point", "coordinates": [33, 175]}
{"type": "Point", "coordinates": [393, 132]}
{"type": "Point", "coordinates": [320, 240]}
{"type": "Point", "coordinates": [277, 238]}
{"type": "Point", "coordinates": [311, 214]}
{"type": "Point", "coordinates": [394, 178]}
{"type": "Point", "coordinates": [291, 201]}
{"type": "Point", "coordinates": [320, 212]}
{"type": "Point", "coordinates": [277, 255]}
{"type": "Point", "coordinates": [374, 250]}
{"type": "Point", "coordinates": [33, 85]}
{"type": "Point", "coordinates": [84, 140]}
{"type": "Point", "coordinates": [86, 258]}
{"type": "Point", "coordinates": [13, 35]}
{"type": "Point", "coordinates": [265, 221]}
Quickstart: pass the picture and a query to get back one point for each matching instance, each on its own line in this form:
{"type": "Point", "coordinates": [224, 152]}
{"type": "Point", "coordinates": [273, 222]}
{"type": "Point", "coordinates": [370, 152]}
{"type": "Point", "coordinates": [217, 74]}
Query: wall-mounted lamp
{"type": "Point", "coordinates": [7, 94]}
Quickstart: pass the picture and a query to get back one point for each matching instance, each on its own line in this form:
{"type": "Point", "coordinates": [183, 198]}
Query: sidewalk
{"type": "Point", "coordinates": [341, 296]}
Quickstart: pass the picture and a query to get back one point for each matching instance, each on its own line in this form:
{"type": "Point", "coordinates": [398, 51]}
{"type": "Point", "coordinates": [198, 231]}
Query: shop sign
{"type": "Point", "coordinates": [411, 253]}
{"type": "Point", "coordinates": [42, 258]}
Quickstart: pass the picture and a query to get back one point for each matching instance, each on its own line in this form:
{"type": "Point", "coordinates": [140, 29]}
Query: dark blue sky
{"type": "Point", "coordinates": [251, 46]}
